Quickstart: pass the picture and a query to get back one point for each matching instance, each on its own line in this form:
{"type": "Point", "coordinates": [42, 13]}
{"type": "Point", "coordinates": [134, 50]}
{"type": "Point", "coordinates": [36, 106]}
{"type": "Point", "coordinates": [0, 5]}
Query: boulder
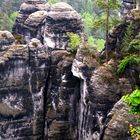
{"type": "Point", "coordinates": [6, 38]}
{"type": "Point", "coordinates": [61, 7]}
{"type": "Point", "coordinates": [36, 18]}
{"type": "Point", "coordinates": [117, 127]}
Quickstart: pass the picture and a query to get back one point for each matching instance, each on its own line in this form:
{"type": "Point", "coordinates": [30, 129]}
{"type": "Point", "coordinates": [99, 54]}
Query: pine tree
{"type": "Point", "coordinates": [107, 8]}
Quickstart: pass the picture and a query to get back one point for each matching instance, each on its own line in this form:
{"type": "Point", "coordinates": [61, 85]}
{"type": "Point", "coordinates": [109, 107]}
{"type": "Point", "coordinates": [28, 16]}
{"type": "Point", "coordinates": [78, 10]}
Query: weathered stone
{"type": "Point", "coordinates": [58, 23]}
{"type": "Point", "coordinates": [100, 91]}
{"type": "Point", "coordinates": [62, 98]}
{"type": "Point", "coordinates": [117, 127]}
{"type": "Point", "coordinates": [127, 6]}
{"type": "Point", "coordinates": [28, 8]}
{"type": "Point", "coordinates": [36, 22]}
{"type": "Point", "coordinates": [36, 18]}
{"type": "Point", "coordinates": [61, 7]}
{"type": "Point", "coordinates": [6, 38]}
{"type": "Point", "coordinates": [23, 76]}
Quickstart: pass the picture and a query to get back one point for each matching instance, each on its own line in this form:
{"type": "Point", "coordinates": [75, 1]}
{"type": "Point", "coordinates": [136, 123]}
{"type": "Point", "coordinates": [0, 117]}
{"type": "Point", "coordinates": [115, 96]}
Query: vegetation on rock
{"type": "Point", "coordinates": [133, 101]}
{"type": "Point", "coordinates": [74, 42]}
{"type": "Point", "coordinates": [128, 61]}
{"type": "Point", "coordinates": [132, 51]}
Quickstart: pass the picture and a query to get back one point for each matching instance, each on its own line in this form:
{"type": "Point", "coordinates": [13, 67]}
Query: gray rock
{"type": "Point", "coordinates": [28, 8]}
{"type": "Point", "coordinates": [62, 98]}
{"type": "Point", "coordinates": [61, 7]}
{"type": "Point", "coordinates": [23, 73]}
{"type": "Point", "coordinates": [117, 127]}
{"type": "Point", "coordinates": [6, 38]}
{"type": "Point", "coordinates": [36, 18]}
{"type": "Point", "coordinates": [35, 21]}
{"type": "Point", "coordinates": [100, 90]}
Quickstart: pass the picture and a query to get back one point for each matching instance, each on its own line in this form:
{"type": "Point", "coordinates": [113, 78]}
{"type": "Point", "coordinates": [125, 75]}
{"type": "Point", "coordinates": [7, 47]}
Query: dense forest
{"type": "Point", "coordinates": [8, 13]}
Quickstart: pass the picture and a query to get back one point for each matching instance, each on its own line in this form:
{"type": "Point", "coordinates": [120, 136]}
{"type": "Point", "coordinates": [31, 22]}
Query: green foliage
{"type": "Point", "coordinates": [111, 4]}
{"type": "Point", "coordinates": [91, 44]}
{"type": "Point", "coordinates": [7, 14]}
{"type": "Point", "coordinates": [88, 19]}
{"type": "Point", "coordinates": [99, 22]}
{"type": "Point", "coordinates": [74, 42]}
{"type": "Point", "coordinates": [90, 6]}
{"type": "Point", "coordinates": [128, 60]}
{"type": "Point", "coordinates": [127, 37]}
{"type": "Point", "coordinates": [131, 46]}
{"type": "Point", "coordinates": [135, 131]}
{"type": "Point", "coordinates": [105, 21]}
{"type": "Point", "coordinates": [13, 16]}
{"type": "Point", "coordinates": [134, 45]}
{"type": "Point", "coordinates": [133, 101]}
{"type": "Point", "coordinates": [95, 20]}
{"type": "Point", "coordinates": [97, 43]}
{"type": "Point", "coordinates": [7, 21]}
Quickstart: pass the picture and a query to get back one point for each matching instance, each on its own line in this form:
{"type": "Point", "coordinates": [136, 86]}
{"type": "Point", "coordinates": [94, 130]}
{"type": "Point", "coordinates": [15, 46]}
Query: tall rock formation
{"type": "Point", "coordinates": [39, 94]}
{"type": "Point", "coordinates": [23, 73]}
{"type": "Point", "coordinates": [49, 24]}
{"type": "Point", "coordinates": [47, 93]}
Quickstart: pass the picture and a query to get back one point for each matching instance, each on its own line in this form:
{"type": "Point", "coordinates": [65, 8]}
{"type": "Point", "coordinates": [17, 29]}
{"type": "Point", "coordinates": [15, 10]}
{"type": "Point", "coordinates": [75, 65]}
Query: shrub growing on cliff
{"type": "Point", "coordinates": [128, 61]}
{"type": "Point", "coordinates": [133, 48]}
{"type": "Point", "coordinates": [74, 41]}
{"type": "Point", "coordinates": [134, 45]}
{"type": "Point", "coordinates": [133, 101]}
{"type": "Point", "coordinates": [127, 37]}
{"type": "Point", "coordinates": [99, 43]}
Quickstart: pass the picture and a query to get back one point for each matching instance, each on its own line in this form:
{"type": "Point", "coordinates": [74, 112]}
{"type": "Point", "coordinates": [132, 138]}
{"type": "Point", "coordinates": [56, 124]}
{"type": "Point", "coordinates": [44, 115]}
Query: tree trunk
{"type": "Point", "coordinates": [107, 27]}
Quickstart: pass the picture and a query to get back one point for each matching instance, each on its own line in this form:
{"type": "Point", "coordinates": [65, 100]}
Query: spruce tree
{"type": "Point", "coordinates": [107, 8]}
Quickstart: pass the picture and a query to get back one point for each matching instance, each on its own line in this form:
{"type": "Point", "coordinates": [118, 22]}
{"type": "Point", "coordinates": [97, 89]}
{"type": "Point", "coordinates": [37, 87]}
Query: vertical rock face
{"type": "Point", "coordinates": [61, 19]}
{"type": "Point", "coordinates": [50, 25]}
{"type": "Point", "coordinates": [62, 98]}
{"type": "Point", "coordinates": [39, 94]}
{"type": "Point", "coordinates": [118, 115]}
{"type": "Point", "coordinates": [100, 90]}
{"type": "Point", "coordinates": [23, 73]}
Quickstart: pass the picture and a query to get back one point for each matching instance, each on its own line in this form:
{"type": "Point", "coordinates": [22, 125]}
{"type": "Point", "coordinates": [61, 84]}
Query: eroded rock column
{"type": "Point", "coordinates": [23, 73]}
